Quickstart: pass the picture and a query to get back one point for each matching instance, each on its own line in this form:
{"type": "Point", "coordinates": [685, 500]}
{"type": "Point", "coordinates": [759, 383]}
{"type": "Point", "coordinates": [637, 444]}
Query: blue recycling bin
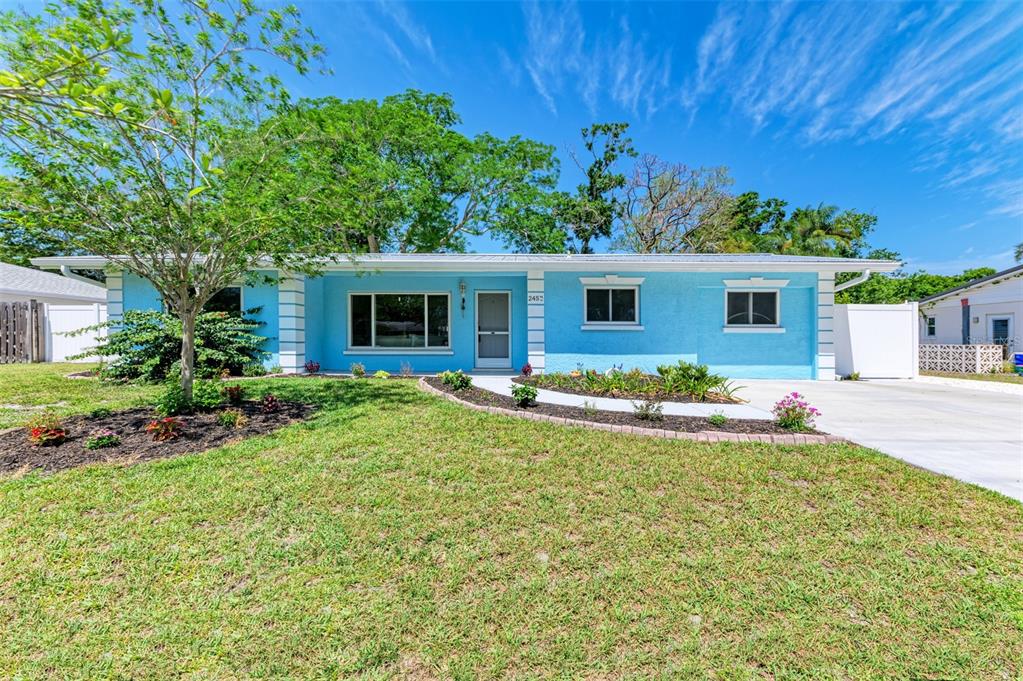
{"type": "Point", "coordinates": [1017, 360]}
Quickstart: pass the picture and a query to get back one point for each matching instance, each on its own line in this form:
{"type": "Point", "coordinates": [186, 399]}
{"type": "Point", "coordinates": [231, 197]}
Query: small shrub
{"type": "Point", "coordinates": [233, 393]}
{"type": "Point", "coordinates": [381, 374]}
{"type": "Point", "coordinates": [206, 395]}
{"type": "Point", "coordinates": [312, 367]}
{"type": "Point", "coordinates": [270, 404]}
{"type": "Point", "coordinates": [253, 370]}
{"type": "Point", "coordinates": [172, 402]}
{"type": "Point", "coordinates": [456, 380]}
{"type": "Point", "coordinates": [276, 369]}
{"type": "Point", "coordinates": [358, 369]}
{"type": "Point", "coordinates": [854, 376]}
{"type": "Point", "coordinates": [101, 412]}
{"type": "Point", "coordinates": [527, 369]}
{"type": "Point", "coordinates": [406, 369]}
{"type": "Point", "coordinates": [167, 428]}
{"type": "Point", "coordinates": [104, 437]}
{"type": "Point", "coordinates": [524, 395]}
{"type": "Point", "coordinates": [46, 430]}
{"type": "Point", "coordinates": [648, 410]}
{"type": "Point", "coordinates": [225, 373]}
{"type": "Point", "coordinates": [718, 419]}
{"type": "Point", "coordinates": [232, 418]}
{"type": "Point", "coordinates": [793, 412]}
{"type": "Point", "coordinates": [589, 409]}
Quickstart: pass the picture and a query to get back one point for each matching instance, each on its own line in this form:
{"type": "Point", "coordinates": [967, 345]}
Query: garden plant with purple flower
{"type": "Point", "coordinates": [794, 412]}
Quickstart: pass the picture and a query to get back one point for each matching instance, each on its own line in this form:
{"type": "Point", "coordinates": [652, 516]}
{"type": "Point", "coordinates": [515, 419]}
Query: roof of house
{"type": "Point", "coordinates": [1014, 271]}
{"type": "Point", "coordinates": [565, 261]}
{"type": "Point", "coordinates": [24, 281]}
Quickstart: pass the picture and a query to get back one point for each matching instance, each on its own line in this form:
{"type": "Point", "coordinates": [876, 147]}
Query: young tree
{"type": "Point", "coordinates": [672, 208]}
{"type": "Point", "coordinates": [592, 211]}
{"type": "Point", "coordinates": [132, 127]}
{"type": "Point", "coordinates": [399, 177]}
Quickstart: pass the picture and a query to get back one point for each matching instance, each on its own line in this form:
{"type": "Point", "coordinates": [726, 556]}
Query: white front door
{"type": "Point", "coordinates": [493, 329]}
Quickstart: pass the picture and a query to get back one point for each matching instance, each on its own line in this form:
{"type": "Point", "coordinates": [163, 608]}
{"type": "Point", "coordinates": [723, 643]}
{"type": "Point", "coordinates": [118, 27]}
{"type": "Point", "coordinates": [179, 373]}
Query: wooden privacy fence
{"type": "Point", "coordinates": [21, 333]}
{"type": "Point", "coordinates": [962, 359]}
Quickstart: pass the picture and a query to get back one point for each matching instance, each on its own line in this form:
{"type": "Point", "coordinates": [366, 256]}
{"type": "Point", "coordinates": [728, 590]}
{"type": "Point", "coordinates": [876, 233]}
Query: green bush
{"type": "Point", "coordinates": [254, 369]}
{"type": "Point", "coordinates": [523, 394]}
{"type": "Point", "coordinates": [146, 345]}
{"type": "Point", "coordinates": [172, 402]}
{"type": "Point", "coordinates": [358, 369]}
{"type": "Point", "coordinates": [717, 419]}
{"type": "Point", "coordinates": [695, 380]}
{"type": "Point", "coordinates": [381, 374]}
{"type": "Point", "coordinates": [232, 418]}
{"type": "Point", "coordinates": [206, 395]}
{"type": "Point", "coordinates": [648, 410]}
{"type": "Point", "coordinates": [456, 380]}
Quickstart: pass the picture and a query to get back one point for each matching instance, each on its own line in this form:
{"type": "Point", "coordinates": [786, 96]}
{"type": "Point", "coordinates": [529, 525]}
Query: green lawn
{"type": "Point", "coordinates": [997, 378]}
{"type": "Point", "coordinates": [399, 535]}
{"type": "Point", "coordinates": [43, 386]}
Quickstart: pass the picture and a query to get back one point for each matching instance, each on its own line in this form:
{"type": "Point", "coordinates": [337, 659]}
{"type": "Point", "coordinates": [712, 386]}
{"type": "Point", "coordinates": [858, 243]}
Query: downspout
{"type": "Point", "coordinates": [849, 284]}
{"type": "Point", "coordinates": [66, 271]}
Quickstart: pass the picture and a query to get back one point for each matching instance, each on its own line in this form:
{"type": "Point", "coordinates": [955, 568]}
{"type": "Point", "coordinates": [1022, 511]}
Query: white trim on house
{"type": "Point", "coordinates": [473, 262]}
{"type": "Point", "coordinates": [536, 325]}
{"type": "Point", "coordinates": [291, 316]}
{"type": "Point", "coordinates": [373, 348]}
{"type": "Point", "coordinates": [611, 281]}
{"type": "Point", "coordinates": [825, 326]}
{"type": "Point", "coordinates": [756, 283]}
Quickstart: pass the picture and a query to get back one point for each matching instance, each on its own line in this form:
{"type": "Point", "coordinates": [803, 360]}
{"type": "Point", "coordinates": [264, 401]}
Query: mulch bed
{"type": "Point", "coordinates": [580, 389]}
{"type": "Point", "coordinates": [682, 424]}
{"type": "Point", "coordinates": [202, 432]}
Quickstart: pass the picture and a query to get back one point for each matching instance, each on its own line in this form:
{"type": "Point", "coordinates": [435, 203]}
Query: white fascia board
{"type": "Point", "coordinates": [513, 263]}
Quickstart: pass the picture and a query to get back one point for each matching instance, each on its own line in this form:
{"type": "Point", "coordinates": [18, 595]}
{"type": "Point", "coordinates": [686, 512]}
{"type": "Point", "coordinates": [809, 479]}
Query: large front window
{"type": "Point", "coordinates": [399, 320]}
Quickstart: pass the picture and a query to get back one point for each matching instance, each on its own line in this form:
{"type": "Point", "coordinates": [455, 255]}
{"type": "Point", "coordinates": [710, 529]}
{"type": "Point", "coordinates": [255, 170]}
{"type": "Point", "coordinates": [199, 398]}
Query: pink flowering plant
{"type": "Point", "coordinates": [793, 412]}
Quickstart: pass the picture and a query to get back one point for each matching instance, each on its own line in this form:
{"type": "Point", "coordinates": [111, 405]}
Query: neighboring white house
{"type": "Point", "coordinates": [69, 303]}
{"type": "Point", "coordinates": [984, 311]}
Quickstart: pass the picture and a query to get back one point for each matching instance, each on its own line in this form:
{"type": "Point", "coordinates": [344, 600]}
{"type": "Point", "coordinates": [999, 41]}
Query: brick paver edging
{"type": "Point", "coordinates": [702, 436]}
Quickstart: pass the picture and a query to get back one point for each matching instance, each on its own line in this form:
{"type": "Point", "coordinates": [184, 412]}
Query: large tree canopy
{"type": "Point", "coordinates": [396, 175]}
{"type": "Point", "coordinates": [138, 146]}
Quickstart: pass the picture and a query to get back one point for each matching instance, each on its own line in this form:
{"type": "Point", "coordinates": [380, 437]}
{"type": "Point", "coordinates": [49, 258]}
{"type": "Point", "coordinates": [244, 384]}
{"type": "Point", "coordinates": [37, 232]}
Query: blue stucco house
{"type": "Point", "coordinates": [745, 315]}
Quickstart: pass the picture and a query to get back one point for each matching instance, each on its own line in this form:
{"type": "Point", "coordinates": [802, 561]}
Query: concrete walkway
{"type": "Point", "coordinates": [503, 386]}
{"type": "Point", "coordinates": [967, 432]}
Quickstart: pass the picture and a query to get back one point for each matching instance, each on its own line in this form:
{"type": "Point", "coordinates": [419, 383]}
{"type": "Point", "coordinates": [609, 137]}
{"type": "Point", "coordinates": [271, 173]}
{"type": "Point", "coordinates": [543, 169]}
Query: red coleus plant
{"type": "Point", "coordinates": [46, 430]}
{"type": "Point", "coordinates": [233, 393]}
{"type": "Point", "coordinates": [527, 369]}
{"type": "Point", "coordinates": [166, 428]}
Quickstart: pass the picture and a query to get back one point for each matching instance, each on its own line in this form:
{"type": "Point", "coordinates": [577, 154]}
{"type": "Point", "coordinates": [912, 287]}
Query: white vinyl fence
{"type": "Point", "coordinates": [876, 341]}
{"type": "Point", "coordinates": [60, 319]}
{"type": "Point", "coordinates": [961, 359]}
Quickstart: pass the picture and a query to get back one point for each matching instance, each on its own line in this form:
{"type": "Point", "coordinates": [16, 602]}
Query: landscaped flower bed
{"type": "Point", "coordinates": [682, 424]}
{"type": "Point", "coordinates": [682, 382]}
{"type": "Point", "coordinates": [191, 434]}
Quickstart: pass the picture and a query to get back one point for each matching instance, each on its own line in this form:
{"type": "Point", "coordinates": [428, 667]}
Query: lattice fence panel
{"type": "Point", "coordinates": [960, 359]}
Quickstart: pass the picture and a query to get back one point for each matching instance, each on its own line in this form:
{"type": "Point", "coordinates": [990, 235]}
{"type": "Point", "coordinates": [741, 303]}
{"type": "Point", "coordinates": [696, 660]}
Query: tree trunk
{"type": "Point", "coordinates": [187, 354]}
{"type": "Point", "coordinates": [372, 245]}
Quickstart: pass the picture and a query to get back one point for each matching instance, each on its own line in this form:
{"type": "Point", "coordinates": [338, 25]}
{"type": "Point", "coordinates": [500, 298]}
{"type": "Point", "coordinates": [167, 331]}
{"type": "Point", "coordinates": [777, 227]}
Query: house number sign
{"type": "Point", "coordinates": [535, 299]}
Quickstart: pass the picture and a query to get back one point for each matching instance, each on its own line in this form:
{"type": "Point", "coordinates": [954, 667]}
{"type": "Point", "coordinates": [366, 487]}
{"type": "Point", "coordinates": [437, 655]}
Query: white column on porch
{"type": "Point", "coordinates": [291, 317]}
{"type": "Point", "coordinates": [826, 326]}
{"type": "Point", "coordinates": [115, 295]}
{"type": "Point", "coordinates": [535, 320]}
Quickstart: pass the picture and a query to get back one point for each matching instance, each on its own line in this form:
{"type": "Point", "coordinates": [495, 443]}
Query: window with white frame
{"type": "Point", "coordinates": [612, 305]}
{"type": "Point", "coordinates": [751, 308]}
{"type": "Point", "coordinates": [399, 320]}
{"type": "Point", "coordinates": [228, 299]}
{"type": "Point", "coordinates": [932, 326]}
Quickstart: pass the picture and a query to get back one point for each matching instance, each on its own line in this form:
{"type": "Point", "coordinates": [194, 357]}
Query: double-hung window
{"type": "Point", "coordinates": [751, 309]}
{"type": "Point", "coordinates": [932, 326]}
{"type": "Point", "coordinates": [612, 305]}
{"type": "Point", "coordinates": [399, 320]}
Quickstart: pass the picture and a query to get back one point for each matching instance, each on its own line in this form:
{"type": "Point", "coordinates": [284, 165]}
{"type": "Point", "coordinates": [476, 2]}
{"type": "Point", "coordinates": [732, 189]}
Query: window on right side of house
{"type": "Point", "coordinates": [932, 326]}
{"type": "Point", "coordinates": [752, 308]}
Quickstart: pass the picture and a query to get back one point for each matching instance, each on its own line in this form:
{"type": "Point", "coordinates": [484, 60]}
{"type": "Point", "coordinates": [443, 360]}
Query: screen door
{"type": "Point", "coordinates": [493, 329]}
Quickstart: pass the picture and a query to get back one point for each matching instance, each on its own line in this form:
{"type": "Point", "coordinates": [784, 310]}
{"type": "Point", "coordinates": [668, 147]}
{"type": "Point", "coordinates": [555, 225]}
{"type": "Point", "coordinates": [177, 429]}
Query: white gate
{"type": "Point", "coordinates": [60, 319]}
{"type": "Point", "coordinates": [877, 341]}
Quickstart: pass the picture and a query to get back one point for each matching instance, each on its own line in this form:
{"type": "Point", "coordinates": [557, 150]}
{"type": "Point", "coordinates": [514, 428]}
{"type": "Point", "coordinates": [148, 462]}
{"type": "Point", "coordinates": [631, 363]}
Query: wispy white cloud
{"type": "Point", "coordinates": [948, 77]}
{"type": "Point", "coordinates": [391, 26]}
{"type": "Point", "coordinates": [418, 36]}
{"type": "Point", "coordinates": [562, 59]}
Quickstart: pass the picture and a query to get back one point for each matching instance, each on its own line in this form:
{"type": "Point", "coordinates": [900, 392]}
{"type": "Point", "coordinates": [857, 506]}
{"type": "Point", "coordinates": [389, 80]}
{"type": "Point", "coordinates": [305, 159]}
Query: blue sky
{"type": "Point", "coordinates": [911, 111]}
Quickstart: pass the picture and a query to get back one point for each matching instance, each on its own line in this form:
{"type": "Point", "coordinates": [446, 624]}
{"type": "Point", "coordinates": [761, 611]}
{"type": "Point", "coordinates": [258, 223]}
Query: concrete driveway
{"type": "Point", "coordinates": [972, 434]}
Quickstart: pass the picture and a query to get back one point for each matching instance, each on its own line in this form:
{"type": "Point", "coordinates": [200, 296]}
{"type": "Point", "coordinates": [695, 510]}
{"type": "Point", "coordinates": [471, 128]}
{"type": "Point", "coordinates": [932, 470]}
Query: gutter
{"type": "Point", "coordinates": [849, 284]}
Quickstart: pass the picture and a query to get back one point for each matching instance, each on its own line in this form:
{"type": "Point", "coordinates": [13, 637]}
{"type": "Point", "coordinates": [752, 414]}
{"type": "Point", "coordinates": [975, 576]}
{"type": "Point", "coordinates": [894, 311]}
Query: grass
{"type": "Point", "coordinates": [400, 535]}
{"type": "Point", "coordinates": [996, 378]}
{"type": "Point", "coordinates": [35, 387]}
